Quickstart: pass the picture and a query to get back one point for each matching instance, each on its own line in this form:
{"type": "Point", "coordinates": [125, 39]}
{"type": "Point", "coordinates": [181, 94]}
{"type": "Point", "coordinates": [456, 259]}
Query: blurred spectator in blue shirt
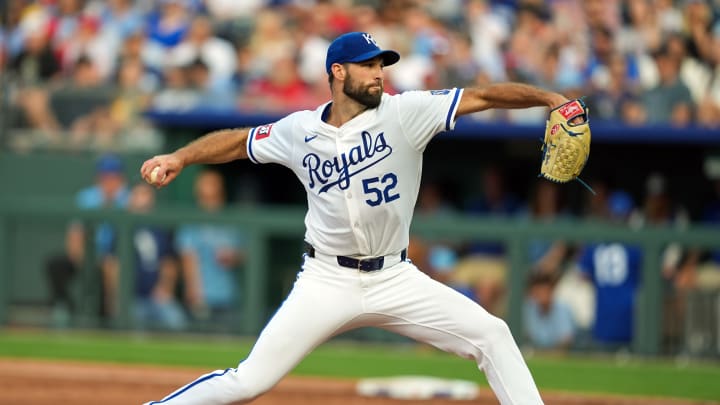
{"type": "Point", "coordinates": [119, 19]}
{"type": "Point", "coordinates": [548, 322]}
{"type": "Point", "coordinates": [156, 269]}
{"type": "Point", "coordinates": [109, 191]}
{"type": "Point", "coordinates": [169, 24]}
{"type": "Point", "coordinates": [210, 255]}
{"type": "Point", "coordinates": [615, 270]}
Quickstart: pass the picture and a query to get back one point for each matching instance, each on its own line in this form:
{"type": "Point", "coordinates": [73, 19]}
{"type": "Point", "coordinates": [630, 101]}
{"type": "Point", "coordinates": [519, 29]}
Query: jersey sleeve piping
{"type": "Point", "coordinates": [449, 121]}
{"type": "Point", "coordinates": [251, 136]}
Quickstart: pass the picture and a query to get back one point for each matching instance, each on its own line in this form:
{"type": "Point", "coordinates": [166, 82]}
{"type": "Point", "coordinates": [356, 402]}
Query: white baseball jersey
{"type": "Point", "coordinates": [362, 179]}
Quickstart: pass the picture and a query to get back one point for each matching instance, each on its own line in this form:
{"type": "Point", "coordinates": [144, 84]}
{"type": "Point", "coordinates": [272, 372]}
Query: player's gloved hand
{"type": "Point", "coordinates": [566, 146]}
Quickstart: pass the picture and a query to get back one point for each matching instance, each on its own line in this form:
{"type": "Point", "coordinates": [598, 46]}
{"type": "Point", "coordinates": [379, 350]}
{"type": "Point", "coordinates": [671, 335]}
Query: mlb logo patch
{"type": "Point", "coordinates": [440, 92]}
{"type": "Point", "coordinates": [263, 132]}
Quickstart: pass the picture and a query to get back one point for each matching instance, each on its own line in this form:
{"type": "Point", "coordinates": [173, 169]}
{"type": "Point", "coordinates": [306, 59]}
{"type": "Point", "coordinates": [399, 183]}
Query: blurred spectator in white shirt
{"type": "Point", "coordinates": [488, 32]}
{"type": "Point", "coordinates": [200, 43]}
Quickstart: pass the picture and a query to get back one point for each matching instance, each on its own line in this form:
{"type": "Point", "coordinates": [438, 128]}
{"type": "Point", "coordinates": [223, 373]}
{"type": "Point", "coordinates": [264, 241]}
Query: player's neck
{"type": "Point", "coordinates": [343, 110]}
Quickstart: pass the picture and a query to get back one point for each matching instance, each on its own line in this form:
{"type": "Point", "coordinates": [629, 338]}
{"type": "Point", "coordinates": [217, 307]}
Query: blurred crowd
{"type": "Point", "coordinates": [83, 73]}
{"type": "Point", "coordinates": [579, 294]}
{"type": "Point", "coordinates": [86, 70]}
{"type": "Point", "coordinates": [184, 276]}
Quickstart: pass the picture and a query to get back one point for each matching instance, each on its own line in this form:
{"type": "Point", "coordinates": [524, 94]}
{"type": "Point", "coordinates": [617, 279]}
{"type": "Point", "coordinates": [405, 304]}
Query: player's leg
{"type": "Point", "coordinates": [412, 304]}
{"type": "Point", "coordinates": [323, 301]}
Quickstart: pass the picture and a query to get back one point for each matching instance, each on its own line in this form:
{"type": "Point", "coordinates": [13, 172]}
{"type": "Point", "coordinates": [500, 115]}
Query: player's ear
{"type": "Point", "coordinates": [338, 71]}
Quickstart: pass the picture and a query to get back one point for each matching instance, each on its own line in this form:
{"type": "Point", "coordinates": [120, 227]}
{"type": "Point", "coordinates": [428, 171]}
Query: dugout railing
{"type": "Point", "coordinates": [261, 224]}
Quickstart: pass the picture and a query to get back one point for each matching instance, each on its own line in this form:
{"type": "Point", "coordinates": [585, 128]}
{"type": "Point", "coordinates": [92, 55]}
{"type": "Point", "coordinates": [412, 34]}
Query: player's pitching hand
{"type": "Point", "coordinates": [160, 170]}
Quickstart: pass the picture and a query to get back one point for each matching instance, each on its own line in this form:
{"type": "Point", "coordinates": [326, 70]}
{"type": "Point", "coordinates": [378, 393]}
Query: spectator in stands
{"type": "Point", "coordinates": [177, 93]}
{"type": "Point", "coordinates": [33, 70]}
{"type": "Point", "coordinates": [281, 90]}
{"type": "Point", "coordinates": [642, 29]}
{"type": "Point", "coordinates": [454, 63]}
{"type": "Point", "coordinates": [602, 13]}
{"type": "Point", "coordinates": [152, 55]}
{"type": "Point", "coordinates": [701, 270]}
{"type": "Point", "coordinates": [65, 18]}
{"type": "Point", "coordinates": [16, 24]}
{"type": "Point", "coordinates": [615, 98]}
{"type": "Point", "coordinates": [708, 108]}
{"type": "Point", "coordinates": [232, 10]}
{"type": "Point", "coordinates": [86, 42]}
{"type": "Point", "coordinates": [156, 269]}
{"type": "Point", "coordinates": [531, 37]}
{"type": "Point", "coordinates": [109, 191]}
{"type": "Point", "coordinates": [120, 122]}
{"type": "Point", "coordinates": [670, 102]}
{"type": "Point", "coordinates": [547, 206]}
{"type": "Point", "coordinates": [119, 20]}
{"type": "Point", "coordinates": [170, 22]}
{"type": "Point", "coordinates": [269, 40]}
{"type": "Point", "coordinates": [602, 51]}
{"type": "Point", "coordinates": [315, 29]}
{"type": "Point", "coordinates": [559, 74]}
{"type": "Point", "coordinates": [615, 270]}
{"type": "Point", "coordinates": [437, 256]}
{"type": "Point", "coordinates": [548, 322]}
{"type": "Point", "coordinates": [483, 265]}
{"type": "Point", "coordinates": [216, 53]}
{"type": "Point", "coordinates": [699, 20]}
{"type": "Point", "coordinates": [708, 113]}
{"type": "Point", "coordinates": [211, 255]}
{"type": "Point", "coordinates": [693, 72]}
{"type": "Point", "coordinates": [595, 205]}
{"type": "Point", "coordinates": [80, 94]}
{"type": "Point", "coordinates": [489, 32]}
{"type": "Point", "coordinates": [208, 95]}
{"type": "Point", "coordinates": [525, 40]}
{"type": "Point", "coordinates": [660, 209]}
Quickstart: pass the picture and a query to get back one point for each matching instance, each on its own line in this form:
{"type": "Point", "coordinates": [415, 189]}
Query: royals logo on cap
{"type": "Point", "coordinates": [357, 47]}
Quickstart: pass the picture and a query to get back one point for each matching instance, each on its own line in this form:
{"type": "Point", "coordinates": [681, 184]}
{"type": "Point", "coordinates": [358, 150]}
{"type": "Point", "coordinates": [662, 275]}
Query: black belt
{"type": "Point", "coordinates": [369, 264]}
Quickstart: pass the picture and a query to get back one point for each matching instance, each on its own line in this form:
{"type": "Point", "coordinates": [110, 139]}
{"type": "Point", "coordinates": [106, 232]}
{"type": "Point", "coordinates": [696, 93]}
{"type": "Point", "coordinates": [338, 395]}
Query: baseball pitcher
{"type": "Point", "coordinates": [359, 157]}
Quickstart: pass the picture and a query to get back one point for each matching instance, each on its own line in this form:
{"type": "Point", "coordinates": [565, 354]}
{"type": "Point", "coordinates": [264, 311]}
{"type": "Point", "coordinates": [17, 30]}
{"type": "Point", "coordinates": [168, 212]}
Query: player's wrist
{"type": "Point", "coordinates": [554, 100]}
{"type": "Point", "coordinates": [181, 158]}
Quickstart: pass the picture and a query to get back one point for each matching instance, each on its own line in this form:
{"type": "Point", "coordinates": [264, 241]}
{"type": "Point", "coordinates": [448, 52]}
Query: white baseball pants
{"type": "Point", "coordinates": [328, 299]}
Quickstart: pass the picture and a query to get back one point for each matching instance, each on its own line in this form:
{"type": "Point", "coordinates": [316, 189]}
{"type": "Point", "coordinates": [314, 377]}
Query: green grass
{"type": "Point", "coordinates": [338, 359]}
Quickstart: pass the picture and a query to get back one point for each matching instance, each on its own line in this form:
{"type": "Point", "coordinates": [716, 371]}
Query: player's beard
{"type": "Point", "coordinates": [361, 93]}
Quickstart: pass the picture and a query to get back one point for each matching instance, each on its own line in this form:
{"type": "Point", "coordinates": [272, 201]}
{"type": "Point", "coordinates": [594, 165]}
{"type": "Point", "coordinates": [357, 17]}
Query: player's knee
{"type": "Point", "coordinates": [497, 330]}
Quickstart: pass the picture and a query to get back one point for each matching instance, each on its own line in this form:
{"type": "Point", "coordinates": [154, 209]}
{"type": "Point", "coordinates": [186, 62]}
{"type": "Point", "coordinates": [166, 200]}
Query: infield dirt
{"type": "Point", "coordinates": [36, 382]}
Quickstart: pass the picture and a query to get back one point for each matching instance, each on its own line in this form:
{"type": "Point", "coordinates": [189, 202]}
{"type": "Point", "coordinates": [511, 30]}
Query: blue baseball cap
{"type": "Point", "coordinates": [357, 47]}
{"type": "Point", "coordinates": [620, 204]}
{"type": "Point", "coordinates": [109, 164]}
